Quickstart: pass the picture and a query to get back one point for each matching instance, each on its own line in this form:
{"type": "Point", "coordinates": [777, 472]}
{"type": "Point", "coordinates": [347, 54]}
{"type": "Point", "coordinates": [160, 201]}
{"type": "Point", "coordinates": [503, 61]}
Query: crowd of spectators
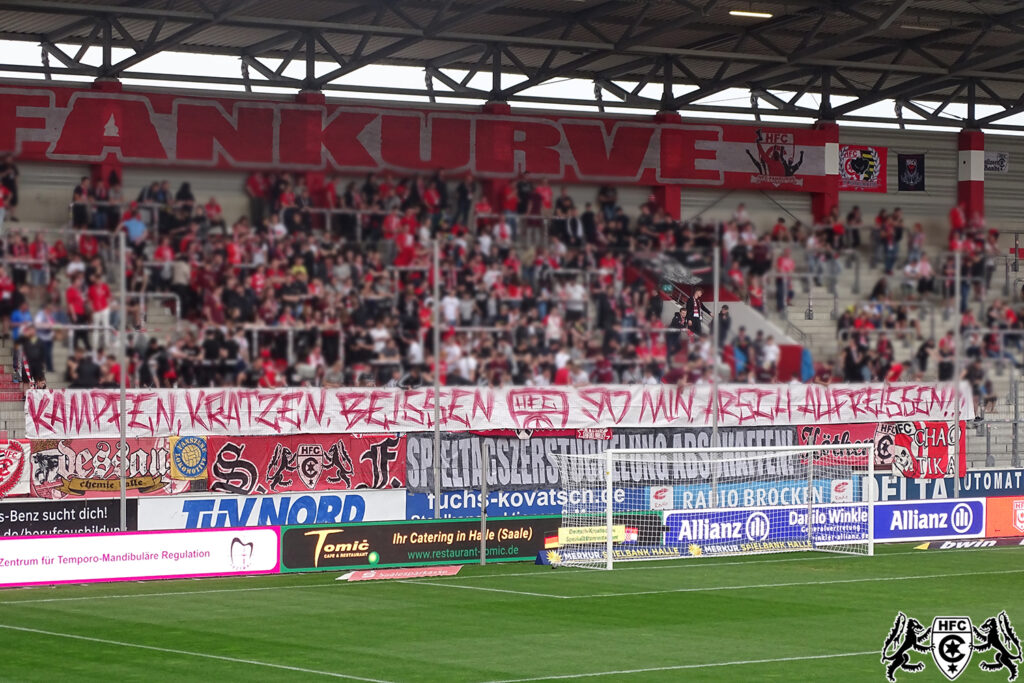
{"type": "Point", "coordinates": [329, 282]}
{"type": "Point", "coordinates": [292, 293]}
{"type": "Point", "coordinates": [885, 336]}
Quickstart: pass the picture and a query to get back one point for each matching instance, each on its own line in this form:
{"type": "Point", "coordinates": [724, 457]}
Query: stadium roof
{"type": "Point", "coordinates": [654, 54]}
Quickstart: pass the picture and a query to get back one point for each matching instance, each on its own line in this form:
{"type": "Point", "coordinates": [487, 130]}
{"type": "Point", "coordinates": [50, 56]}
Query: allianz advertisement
{"type": "Point", "coordinates": [216, 512]}
{"type": "Point", "coordinates": [764, 529]}
{"type": "Point", "coordinates": [794, 528]}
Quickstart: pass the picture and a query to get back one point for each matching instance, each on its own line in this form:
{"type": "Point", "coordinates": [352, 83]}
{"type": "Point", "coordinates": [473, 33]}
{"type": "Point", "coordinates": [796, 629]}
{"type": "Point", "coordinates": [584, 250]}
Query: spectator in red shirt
{"type": "Point", "coordinates": [39, 251]}
{"type": "Point", "coordinates": [214, 214]}
{"type": "Point", "coordinates": [270, 377]}
{"type": "Point", "coordinates": [257, 187]}
{"type": "Point", "coordinates": [784, 266]}
{"type": "Point", "coordinates": [75, 301]}
{"type": "Point", "coordinates": [6, 300]}
{"type": "Point", "coordinates": [546, 196]}
{"type": "Point", "coordinates": [5, 198]}
{"type": "Point", "coordinates": [958, 218]}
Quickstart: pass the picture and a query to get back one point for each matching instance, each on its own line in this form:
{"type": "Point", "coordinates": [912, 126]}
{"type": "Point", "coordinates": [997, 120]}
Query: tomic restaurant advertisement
{"type": "Point", "coordinates": [412, 543]}
{"type": "Point", "coordinates": [43, 560]}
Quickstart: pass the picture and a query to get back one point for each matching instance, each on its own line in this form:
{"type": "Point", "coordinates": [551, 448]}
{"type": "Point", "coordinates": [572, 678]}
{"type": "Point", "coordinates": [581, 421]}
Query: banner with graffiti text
{"type": "Point", "coordinates": [64, 413]}
{"type": "Point", "coordinates": [14, 467]}
{"type": "Point", "coordinates": [91, 468]}
{"type": "Point", "coordinates": [262, 465]}
{"type": "Point", "coordinates": [529, 459]}
{"type": "Point", "coordinates": [916, 450]}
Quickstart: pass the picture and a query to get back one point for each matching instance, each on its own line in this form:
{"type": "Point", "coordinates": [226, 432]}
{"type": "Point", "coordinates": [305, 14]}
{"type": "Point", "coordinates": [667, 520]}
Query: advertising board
{"type": "Point", "coordinates": [221, 511]}
{"type": "Point", "coordinates": [26, 517]}
{"type": "Point", "coordinates": [974, 484]}
{"type": "Point", "coordinates": [506, 503]}
{"type": "Point", "coordinates": [930, 520]}
{"type": "Point", "coordinates": [1004, 516]}
{"type": "Point", "coordinates": [751, 530]}
{"type": "Point", "coordinates": [136, 556]}
{"type": "Point", "coordinates": [412, 543]}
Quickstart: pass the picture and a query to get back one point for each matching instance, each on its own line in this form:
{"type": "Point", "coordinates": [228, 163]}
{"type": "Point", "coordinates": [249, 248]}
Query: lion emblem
{"type": "Point", "coordinates": [997, 634]}
{"type": "Point", "coordinates": [907, 635]}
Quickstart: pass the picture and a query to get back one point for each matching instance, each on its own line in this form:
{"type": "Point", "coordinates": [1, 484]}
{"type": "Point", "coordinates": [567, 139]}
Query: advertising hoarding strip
{"type": "Point", "coordinates": [227, 510]}
{"type": "Point", "coordinates": [375, 545]}
{"type": "Point", "coordinates": [136, 556]}
{"type": "Point", "coordinates": [35, 517]}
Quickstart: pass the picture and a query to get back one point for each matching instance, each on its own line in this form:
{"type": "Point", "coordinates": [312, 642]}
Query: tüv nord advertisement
{"type": "Point", "coordinates": [219, 511]}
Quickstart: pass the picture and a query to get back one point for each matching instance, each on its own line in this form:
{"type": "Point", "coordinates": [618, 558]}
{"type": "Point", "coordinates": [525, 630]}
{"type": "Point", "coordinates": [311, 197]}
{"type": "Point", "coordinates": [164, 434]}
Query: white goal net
{"type": "Point", "coordinates": [627, 505]}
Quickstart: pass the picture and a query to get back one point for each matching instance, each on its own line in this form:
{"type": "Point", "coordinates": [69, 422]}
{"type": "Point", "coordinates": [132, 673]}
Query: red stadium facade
{"type": "Point", "coordinates": [110, 127]}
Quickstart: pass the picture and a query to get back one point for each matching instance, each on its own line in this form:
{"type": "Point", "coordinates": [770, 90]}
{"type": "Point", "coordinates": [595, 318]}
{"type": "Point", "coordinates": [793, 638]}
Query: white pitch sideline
{"type": "Point", "coordinates": [707, 589]}
{"type": "Point", "coordinates": [710, 589]}
{"type": "Point", "coordinates": [683, 667]}
{"type": "Point", "coordinates": [482, 588]}
{"type": "Point", "coordinates": [187, 653]}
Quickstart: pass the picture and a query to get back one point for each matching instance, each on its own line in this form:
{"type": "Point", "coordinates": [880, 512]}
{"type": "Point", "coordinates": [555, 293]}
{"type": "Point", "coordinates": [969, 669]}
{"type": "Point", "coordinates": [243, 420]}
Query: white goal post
{"type": "Point", "coordinates": [670, 503]}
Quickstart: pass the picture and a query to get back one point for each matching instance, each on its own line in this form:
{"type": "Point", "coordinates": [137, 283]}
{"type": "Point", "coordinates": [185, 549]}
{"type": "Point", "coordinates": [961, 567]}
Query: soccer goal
{"type": "Point", "coordinates": [630, 505]}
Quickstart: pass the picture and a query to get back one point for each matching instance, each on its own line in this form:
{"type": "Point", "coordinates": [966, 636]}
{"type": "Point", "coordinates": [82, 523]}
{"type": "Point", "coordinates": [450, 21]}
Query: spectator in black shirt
{"type": "Point", "coordinates": [33, 352]}
{"type": "Point", "coordinates": [83, 372]}
{"type": "Point", "coordinates": [413, 379]}
{"type": "Point", "coordinates": [9, 180]}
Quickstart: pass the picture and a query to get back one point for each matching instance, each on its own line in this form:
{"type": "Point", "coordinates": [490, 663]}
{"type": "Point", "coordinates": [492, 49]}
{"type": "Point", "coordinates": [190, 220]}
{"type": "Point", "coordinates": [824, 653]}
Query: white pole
{"type": "Point", "coordinates": [717, 268]}
{"type": "Point", "coordinates": [608, 507]}
{"type": "Point", "coordinates": [810, 500]}
{"type": "Point", "coordinates": [122, 361]}
{"type": "Point", "coordinates": [484, 462]}
{"type": "Point", "coordinates": [437, 379]}
{"type": "Point", "coordinates": [871, 498]}
{"type": "Point", "coordinates": [957, 370]}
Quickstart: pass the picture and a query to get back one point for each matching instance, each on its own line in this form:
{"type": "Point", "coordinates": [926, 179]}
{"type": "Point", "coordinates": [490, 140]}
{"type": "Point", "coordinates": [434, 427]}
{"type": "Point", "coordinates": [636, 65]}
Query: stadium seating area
{"type": "Point", "coordinates": [331, 285]}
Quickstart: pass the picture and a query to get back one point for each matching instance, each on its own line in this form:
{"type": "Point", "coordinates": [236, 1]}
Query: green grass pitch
{"type": "Point", "coordinates": [796, 617]}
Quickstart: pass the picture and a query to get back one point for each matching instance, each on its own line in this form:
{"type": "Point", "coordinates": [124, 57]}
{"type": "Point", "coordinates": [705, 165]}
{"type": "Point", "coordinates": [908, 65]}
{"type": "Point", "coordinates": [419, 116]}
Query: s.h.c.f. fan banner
{"type": "Point", "coordinates": [863, 168]}
{"type": "Point", "coordinates": [59, 124]}
{"type": "Point", "coordinates": [315, 462]}
{"type": "Point", "coordinates": [248, 412]}
{"type": "Point", "coordinates": [917, 450]}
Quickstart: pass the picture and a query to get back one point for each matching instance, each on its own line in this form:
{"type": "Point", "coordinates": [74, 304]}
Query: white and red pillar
{"type": "Point", "coordinates": [970, 187]}
{"type": "Point", "coordinates": [823, 203]}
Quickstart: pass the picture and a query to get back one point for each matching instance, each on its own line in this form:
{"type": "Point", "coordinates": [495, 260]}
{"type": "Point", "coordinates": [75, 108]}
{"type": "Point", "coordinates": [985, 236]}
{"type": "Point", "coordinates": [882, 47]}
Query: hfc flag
{"type": "Point", "coordinates": [911, 172]}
